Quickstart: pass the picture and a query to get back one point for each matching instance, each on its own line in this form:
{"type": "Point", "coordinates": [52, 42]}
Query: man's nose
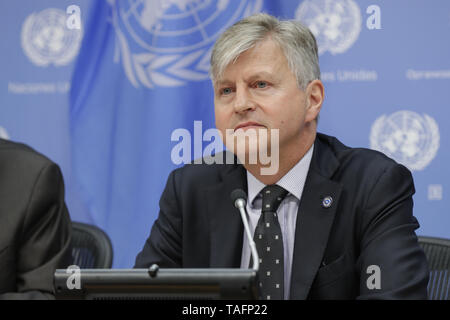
{"type": "Point", "coordinates": [243, 101]}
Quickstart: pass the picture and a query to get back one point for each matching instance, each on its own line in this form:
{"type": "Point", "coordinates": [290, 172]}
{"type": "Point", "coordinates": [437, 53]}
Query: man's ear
{"type": "Point", "coordinates": [315, 94]}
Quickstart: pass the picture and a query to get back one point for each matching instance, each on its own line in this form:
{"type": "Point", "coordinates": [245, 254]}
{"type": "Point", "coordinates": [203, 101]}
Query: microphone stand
{"type": "Point", "coordinates": [240, 204]}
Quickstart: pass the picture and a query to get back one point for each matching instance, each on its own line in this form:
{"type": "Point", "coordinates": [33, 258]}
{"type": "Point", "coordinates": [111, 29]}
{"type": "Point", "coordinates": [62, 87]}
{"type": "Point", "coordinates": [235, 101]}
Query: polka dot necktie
{"type": "Point", "coordinates": [269, 243]}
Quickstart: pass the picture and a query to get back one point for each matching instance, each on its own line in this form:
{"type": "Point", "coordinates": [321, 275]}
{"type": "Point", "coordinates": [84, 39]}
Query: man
{"type": "Point", "coordinates": [35, 227]}
{"type": "Point", "coordinates": [342, 225]}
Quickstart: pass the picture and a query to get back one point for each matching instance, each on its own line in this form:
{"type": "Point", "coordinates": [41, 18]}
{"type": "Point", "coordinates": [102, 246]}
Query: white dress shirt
{"type": "Point", "coordinates": [293, 182]}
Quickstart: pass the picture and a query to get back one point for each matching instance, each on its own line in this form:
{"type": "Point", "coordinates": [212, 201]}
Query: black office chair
{"type": "Point", "coordinates": [437, 251]}
{"type": "Point", "coordinates": [91, 247]}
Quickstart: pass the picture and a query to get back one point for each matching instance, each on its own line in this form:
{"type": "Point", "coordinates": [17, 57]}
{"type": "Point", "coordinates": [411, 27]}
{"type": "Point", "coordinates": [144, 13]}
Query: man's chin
{"type": "Point", "coordinates": [250, 154]}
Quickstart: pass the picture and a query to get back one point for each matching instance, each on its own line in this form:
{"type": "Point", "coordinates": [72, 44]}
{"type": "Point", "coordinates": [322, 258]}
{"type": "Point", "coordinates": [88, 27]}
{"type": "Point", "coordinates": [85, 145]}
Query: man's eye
{"type": "Point", "coordinates": [227, 91]}
{"type": "Point", "coordinates": [261, 84]}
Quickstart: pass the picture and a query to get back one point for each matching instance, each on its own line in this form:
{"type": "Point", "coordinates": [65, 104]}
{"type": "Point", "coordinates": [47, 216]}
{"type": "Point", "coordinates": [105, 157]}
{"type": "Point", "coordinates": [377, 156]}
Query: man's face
{"type": "Point", "coordinates": [259, 91]}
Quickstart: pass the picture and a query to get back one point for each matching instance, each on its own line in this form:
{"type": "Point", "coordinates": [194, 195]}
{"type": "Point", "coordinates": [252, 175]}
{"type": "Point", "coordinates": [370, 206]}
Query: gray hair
{"type": "Point", "coordinates": [295, 40]}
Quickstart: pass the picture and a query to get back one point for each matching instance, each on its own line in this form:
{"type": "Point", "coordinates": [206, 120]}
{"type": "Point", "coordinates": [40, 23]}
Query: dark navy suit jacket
{"type": "Point", "coordinates": [370, 223]}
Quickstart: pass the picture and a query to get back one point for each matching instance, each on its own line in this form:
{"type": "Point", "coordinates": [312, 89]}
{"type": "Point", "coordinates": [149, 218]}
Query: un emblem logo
{"type": "Point", "coordinates": [46, 39]}
{"type": "Point", "coordinates": [168, 42]}
{"type": "Point", "coordinates": [335, 24]}
{"type": "Point", "coordinates": [407, 137]}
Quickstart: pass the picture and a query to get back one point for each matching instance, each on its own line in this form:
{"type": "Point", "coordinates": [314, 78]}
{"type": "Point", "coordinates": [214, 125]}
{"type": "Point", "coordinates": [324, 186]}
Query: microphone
{"type": "Point", "coordinates": [239, 198]}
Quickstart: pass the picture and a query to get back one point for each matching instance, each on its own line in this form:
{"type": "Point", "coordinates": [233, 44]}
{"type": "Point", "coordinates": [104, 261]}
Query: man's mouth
{"type": "Point", "coordinates": [248, 125]}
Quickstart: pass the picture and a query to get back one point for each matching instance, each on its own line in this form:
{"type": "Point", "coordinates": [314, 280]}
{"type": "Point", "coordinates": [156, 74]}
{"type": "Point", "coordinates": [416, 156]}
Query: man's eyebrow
{"type": "Point", "coordinates": [258, 75]}
{"type": "Point", "coordinates": [220, 83]}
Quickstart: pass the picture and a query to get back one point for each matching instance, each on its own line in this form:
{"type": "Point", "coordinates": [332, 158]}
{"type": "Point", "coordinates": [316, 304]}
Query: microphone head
{"type": "Point", "coordinates": [238, 194]}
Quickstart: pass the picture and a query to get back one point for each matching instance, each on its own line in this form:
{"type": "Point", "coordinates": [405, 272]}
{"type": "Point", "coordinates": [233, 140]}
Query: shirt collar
{"type": "Point", "coordinates": [293, 181]}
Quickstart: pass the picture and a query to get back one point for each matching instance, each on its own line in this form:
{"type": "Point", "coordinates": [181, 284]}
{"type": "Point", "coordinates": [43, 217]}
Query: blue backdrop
{"type": "Point", "coordinates": [103, 100]}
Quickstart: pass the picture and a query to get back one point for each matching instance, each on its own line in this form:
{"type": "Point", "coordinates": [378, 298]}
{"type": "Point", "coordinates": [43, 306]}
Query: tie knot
{"type": "Point", "coordinates": [272, 196]}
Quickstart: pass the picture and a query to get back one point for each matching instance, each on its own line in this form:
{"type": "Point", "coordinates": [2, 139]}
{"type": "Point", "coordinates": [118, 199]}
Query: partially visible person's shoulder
{"type": "Point", "coordinates": [21, 155]}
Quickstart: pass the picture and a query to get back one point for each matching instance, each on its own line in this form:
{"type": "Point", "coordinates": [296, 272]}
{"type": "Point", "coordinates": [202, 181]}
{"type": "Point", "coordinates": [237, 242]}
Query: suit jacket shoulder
{"type": "Point", "coordinates": [357, 158]}
{"type": "Point", "coordinates": [14, 153]}
{"type": "Point", "coordinates": [35, 227]}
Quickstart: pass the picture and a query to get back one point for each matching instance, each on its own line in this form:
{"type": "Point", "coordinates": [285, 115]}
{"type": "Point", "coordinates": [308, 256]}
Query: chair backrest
{"type": "Point", "coordinates": [437, 251]}
{"type": "Point", "coordinates": [91, 247]}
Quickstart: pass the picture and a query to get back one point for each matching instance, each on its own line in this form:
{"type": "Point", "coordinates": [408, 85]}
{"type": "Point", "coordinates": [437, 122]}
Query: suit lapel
{"type": "Point", "coordinates": [314, 220]}
{"type": "Point", "coordinates": [225, 221]}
